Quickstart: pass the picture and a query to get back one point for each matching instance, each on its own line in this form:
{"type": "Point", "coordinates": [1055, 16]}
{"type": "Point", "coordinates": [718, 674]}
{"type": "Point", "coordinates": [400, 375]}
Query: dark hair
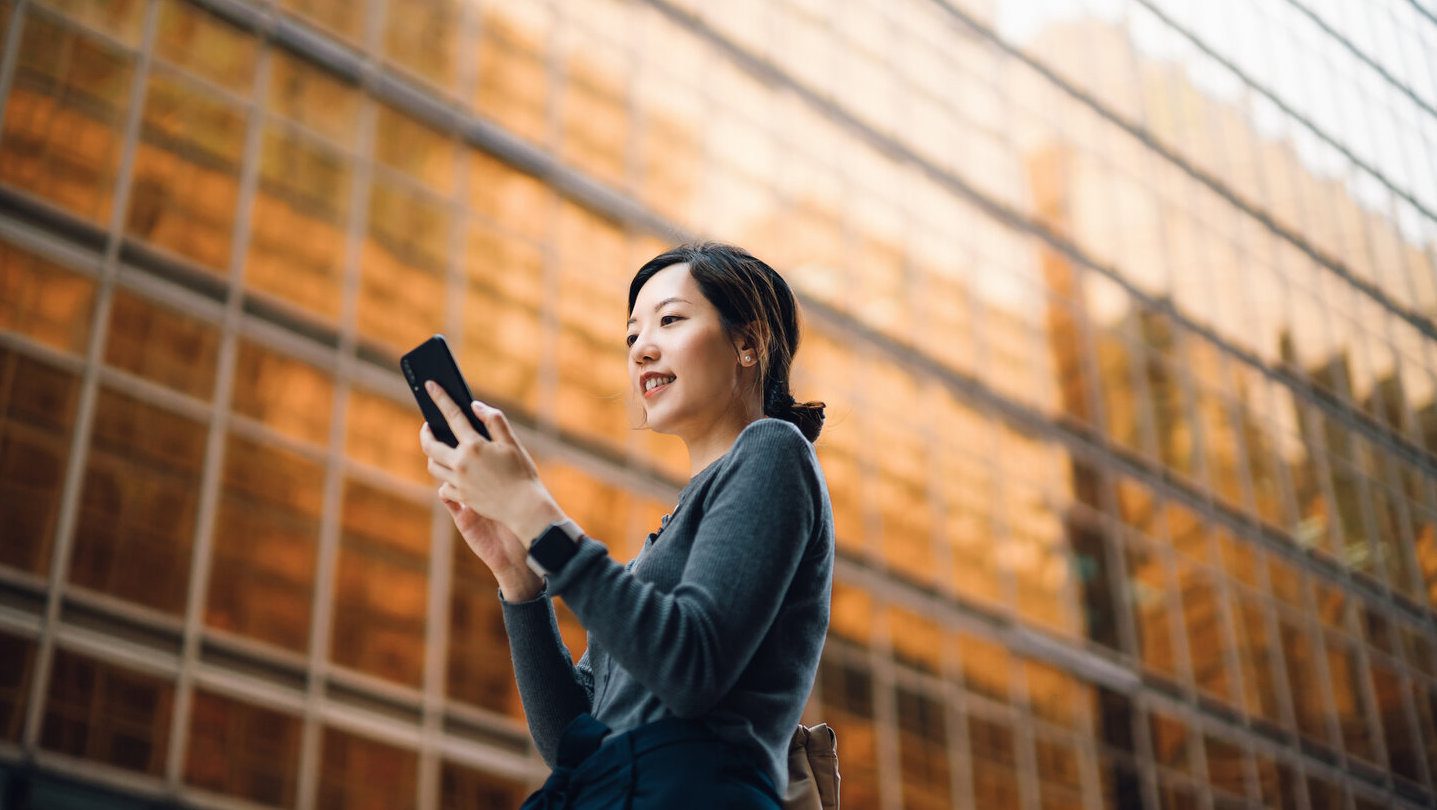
{"type": "Point", "coordinates": [752, 299]}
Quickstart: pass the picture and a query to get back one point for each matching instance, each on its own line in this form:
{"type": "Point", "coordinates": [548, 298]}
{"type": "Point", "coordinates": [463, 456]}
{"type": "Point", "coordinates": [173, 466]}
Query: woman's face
{"type": "Point", "coordinates": [675, 332]}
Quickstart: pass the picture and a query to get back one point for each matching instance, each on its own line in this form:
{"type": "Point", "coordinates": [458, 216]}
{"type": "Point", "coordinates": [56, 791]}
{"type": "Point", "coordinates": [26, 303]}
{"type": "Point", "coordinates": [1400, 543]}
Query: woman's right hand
{"type": "Point", "coordinates": [499, 549]}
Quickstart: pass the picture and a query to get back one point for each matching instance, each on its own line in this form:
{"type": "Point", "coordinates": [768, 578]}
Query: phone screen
{"type": "Point", "coordinates": [431, 360]}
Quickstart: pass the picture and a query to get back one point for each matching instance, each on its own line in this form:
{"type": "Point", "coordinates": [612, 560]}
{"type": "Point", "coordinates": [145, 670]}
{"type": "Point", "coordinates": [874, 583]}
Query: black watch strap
{"type": "Point", "coordinates": [554, 547]}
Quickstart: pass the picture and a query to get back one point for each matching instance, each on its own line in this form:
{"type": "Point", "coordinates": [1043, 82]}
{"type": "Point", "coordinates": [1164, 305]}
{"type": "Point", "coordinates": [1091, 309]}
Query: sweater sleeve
{"type": "Point", "coordinates": [690, 645]}
{"type": "Point", "coordinates": [553, 689]}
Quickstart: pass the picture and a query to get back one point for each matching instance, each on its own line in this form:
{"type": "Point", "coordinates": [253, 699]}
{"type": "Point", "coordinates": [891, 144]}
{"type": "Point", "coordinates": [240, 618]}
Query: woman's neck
{"type": "Point", "coordinates": [714, 442]}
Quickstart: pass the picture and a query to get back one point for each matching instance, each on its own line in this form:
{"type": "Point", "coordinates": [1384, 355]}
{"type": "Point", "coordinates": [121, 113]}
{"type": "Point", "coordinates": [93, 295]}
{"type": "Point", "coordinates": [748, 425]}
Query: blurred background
{"type": "Point", "coordinates": [1123, 311]}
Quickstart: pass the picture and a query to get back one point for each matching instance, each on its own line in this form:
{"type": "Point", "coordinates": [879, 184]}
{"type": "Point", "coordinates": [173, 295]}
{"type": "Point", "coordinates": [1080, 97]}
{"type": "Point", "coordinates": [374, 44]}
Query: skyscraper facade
{"type": "Point", "coordinates": [1123, 311]}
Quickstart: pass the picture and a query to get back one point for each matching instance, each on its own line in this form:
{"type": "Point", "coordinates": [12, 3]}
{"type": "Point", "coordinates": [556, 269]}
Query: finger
{"type": "Point", "coordinates": [435, 449]}
{"type": "Point", "coordinates": [458, 423]}
{"type": "Point", "coordinates": [439, 471]}
{"type": "Point", "coordinates": [497, 423]}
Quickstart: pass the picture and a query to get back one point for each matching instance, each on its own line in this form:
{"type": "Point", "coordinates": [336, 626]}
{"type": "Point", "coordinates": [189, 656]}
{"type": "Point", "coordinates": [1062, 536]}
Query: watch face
{"type": "Point", "coordinates": [553, 548]}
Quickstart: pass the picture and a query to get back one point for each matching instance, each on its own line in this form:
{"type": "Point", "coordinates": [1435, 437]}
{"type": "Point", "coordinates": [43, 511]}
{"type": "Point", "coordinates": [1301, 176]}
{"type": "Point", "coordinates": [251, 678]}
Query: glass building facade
{"type": "Point", "coordinates": [1123, 311]}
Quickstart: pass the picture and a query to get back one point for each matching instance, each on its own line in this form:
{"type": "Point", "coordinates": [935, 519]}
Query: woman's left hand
{"type": "Point", "coordinates": [494, 477]}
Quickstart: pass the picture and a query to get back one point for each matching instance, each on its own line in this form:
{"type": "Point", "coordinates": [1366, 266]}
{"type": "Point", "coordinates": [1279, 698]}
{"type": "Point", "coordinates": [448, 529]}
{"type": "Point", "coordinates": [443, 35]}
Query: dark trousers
{"type": "Point", "coordinates": [668, 763]}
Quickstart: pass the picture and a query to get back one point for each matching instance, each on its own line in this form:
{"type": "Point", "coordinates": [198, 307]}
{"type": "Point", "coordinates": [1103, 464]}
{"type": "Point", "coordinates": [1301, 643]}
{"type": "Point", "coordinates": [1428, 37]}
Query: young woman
{"type": "Point", "coordinates": [702, 650]}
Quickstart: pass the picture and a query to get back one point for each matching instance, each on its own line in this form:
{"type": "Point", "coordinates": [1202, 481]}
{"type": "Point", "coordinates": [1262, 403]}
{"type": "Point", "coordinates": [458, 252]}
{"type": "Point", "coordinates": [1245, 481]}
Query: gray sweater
{"type": "Point", "coordinates": [721, 616]}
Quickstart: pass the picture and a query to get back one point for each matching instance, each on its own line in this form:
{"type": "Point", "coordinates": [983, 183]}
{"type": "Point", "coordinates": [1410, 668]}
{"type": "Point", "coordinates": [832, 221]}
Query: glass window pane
{"type": "Point", "coordinates": [1059, 779]}
{"type": "Point", "coordinates": [594, 399]}
{"type": "Point", "coordinates": [1226, 765]}
{"type": "Point", "coordinates": [243, 750]}
{"type": "Point", "coordinates": [595, 126]}
{"type": "Point", "coordinates": [203, 44]}
{"type": "Point", "coordinates": [513, 87]}
{"type": "Point", "coordinates": [284, 393]}
{"type": "Point", "coordinates": [343, 17]}
{"type": "Point", "coordinates": [424, 38]}
{"type": "Point", "coordinates": [381, 586]}
{"type": "Point", "coordinates": [61, 138]}
{"type": "Point", "coordinates": [846, 694]}
{"type": "Point", "coordinates": [987, 667]}
{"type": "Point", "coordinates": [139, 503]}
{"type": "Point", "coordinates": [302, 92]}
{"type": "Point", "coordinates": [502, 317]}
{"type": "Point", "coordinates": [402, 286]}
{"type": "Point", "coordinates": [122, 19]}
{"type": "Point", "coordinates": [917, 640]}
{"type": "Point", "coordinates": [923, 750]}
{"type": "Point", "coordinates": [101, 712]}
{"type": "Point", "coordinates": [421, 152]}
{"type": "Point", "coordinates": [298, 222]}
{"type": "Point", "coordinates": [480, 670]}
{"type": "Point", "coordinates": [15, 684]}
{"type": "Point", "coordinates": [357, 771]}
{"type": "Point", "coordinates": [463, 788]}
{"type": "Point", "coordinates": [37, 419]}
{"type": "Point", "coordinates": [44, 301]}
{"type": "Point", "coordinates": [385, 434]}
{"type": "Point", "coordinates": [995, 769]}
{"type": "Point", "coordinates": [187, 171]}
{"type": "Point", "coordinates": [161, 344]}
{"type": "Point", "coordinates": [265, 536]}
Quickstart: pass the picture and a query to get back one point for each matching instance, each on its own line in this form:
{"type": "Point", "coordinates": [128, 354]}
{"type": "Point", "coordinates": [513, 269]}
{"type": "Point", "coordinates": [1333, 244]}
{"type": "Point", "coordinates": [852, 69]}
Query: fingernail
{"type": "Point", "coordinates": [429, 385]}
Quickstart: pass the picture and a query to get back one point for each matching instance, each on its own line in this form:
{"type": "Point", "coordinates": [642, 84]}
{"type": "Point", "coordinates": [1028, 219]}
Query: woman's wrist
{"type": "Point", "coordinates": [520, 584]}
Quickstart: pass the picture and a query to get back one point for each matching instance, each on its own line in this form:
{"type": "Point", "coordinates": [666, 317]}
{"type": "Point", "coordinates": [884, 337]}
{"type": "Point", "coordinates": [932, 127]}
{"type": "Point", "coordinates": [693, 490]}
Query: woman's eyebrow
{"type": "Point", "coordinates": [660, 305]}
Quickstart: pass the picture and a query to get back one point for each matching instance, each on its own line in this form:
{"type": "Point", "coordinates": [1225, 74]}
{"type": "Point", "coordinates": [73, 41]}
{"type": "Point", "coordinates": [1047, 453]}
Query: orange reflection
{"type": "Point", "coordinates": [61, 138]}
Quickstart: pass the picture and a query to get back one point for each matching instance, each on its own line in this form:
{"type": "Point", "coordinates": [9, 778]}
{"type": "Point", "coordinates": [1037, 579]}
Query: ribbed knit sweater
{"type": "Point", "coordinates": [721, 616]}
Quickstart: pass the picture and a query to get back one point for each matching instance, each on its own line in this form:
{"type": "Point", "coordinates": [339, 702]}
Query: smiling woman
{"type": "Point", "coordinates": [703, 649]}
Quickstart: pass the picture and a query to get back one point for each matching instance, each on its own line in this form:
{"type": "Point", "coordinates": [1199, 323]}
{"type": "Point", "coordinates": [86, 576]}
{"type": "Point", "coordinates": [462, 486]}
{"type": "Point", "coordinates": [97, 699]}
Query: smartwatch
{"type": "Point", "coordinates": [554, 547]}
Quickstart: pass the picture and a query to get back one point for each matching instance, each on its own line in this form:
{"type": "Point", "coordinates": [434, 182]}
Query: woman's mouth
{"type": "Point", "coordinates": [654, 391]}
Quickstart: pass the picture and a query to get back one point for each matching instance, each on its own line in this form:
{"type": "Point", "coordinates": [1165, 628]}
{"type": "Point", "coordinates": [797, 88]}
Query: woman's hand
{"type": "Point", "coordinates": [496, 480]}
{"type": "Point", "coordinates": [497, 548]}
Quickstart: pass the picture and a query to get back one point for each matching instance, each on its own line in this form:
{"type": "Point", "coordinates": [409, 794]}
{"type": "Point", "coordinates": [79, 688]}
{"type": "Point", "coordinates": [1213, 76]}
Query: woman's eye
{"type": "Point", "coordinates": [629, 341]}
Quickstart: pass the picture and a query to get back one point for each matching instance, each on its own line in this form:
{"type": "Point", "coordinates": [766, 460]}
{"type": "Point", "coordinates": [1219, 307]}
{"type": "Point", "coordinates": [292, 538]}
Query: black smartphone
{"type": "Point", "coordinates": [431, 360]}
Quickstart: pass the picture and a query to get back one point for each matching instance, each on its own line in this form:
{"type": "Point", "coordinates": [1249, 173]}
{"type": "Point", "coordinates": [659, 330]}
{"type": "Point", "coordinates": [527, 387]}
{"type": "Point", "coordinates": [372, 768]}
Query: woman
{"type": "Point", "coordinates": [702, 650]}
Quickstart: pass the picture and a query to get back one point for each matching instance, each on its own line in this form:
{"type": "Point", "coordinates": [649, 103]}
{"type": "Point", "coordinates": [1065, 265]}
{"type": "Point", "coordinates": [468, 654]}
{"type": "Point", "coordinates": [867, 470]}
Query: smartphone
{"type": "Point", "coordinates": [431, 360]}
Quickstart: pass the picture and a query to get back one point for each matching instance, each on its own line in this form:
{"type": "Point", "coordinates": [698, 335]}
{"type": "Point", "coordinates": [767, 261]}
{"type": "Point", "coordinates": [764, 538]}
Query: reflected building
{"type": "Point", "coordinates": [1128, 353]}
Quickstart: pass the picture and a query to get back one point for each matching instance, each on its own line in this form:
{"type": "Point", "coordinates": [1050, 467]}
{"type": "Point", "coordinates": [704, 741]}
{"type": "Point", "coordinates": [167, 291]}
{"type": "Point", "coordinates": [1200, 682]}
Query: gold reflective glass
{"type": "Point", "coordinates": [421, 152]}
{"type": "Point", "coordinates": [513, 86]}
{"type": "Point", "coordinates": [385, 434]}
{"type": "Point", "coordinates": [479, 670]}
{"type": "Point", "coordinates": [356, 771]}
{"type": "Point", "coordinates": [343, 17]}
{"type": "Point", "coordinates": [502, 321]}
{"type": "Point", "coordinates": [424, 37]}
{"type": "Point", "coordinates": [594, 398]}
{"type": "Point", "coordinates": [37, 417]}
{"type": "Point", "coordinates": [139, 503]}
{"type": "Point", "coordinates": [402, 284]}
{"type": "Point", "coordinates": [186, 171]}
{"type": "Point", "coordinates": [381, 584]}
{"type": "Point", "coordinates": [285, 393]}
{"type": "Point", "coordinates": [846, 692]}
{"type": "Point", "coordinates": [995, 766]}
{"type": "Point", "coordinates": [465, 788]}
{"type": "Point", "coordinates": [923, 750]}
{"type": "Point", "coordinates": [44, 301]}
{"type": "Point", "coordinates": [265, 540]}
{"type": "Point", "coordinates": [103, 713]}
{"type": "Point", "coordinates": [243, 750]}
{"type": "Point", "coordinates": [15, 684]}
{"type": "Point", "coordinates": [203, 44]}
{"type": "Point", "coordinates": [122, 19]}
{"type": "Point", "coordinates": [297, 224]}
{"type": "Point", "coordinates": [61, 136]}
{"type": "Point", "coordinates": [304, 93]}
{"type": "Point", "coordinates": [161, 344]}
{"type": "Point", "coordinates": [595, 127]}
